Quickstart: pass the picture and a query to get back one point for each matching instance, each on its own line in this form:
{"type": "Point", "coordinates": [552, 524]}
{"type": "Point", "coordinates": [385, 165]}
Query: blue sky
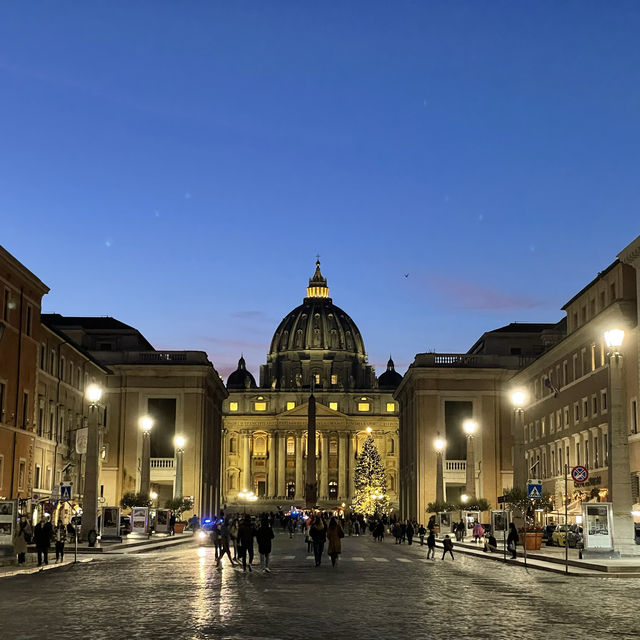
{"type": "Point", "coordinates": [179, 165]}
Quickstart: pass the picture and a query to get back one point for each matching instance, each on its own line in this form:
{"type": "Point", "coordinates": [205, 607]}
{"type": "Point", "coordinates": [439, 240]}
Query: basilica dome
{"type": "Point", "coordinates": [317, 343]}
{"type": "Point", "coordinates": [241, 378]}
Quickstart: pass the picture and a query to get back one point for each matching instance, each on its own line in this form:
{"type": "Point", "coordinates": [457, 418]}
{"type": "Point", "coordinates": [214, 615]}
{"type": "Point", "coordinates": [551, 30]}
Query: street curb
{"type": "Point", "coordinates": [48, 567]}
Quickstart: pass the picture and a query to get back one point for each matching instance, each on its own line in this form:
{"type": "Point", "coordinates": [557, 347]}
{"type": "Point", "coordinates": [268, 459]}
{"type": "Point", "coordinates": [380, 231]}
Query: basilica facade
{"type": "Point", "coordinates": [317, 348]}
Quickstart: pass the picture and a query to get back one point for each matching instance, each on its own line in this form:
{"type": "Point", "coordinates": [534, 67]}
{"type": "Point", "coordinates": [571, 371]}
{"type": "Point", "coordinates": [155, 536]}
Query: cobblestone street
{"type": "Point", "coordinates": [377, 591]}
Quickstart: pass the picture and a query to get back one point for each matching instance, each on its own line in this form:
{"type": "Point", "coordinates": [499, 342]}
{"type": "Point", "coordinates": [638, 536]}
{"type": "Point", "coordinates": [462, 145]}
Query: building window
{"type": "Point", "coordinates": [553, 464]}
{"type": "Point", "coordinates": [334, 378]}
{"type": "Point", "coordinates": [391, 407]}
{"type": "Point", "coordinates": [37, 480]}
{"type": "Point", "coordinates": [543, 427]}
{"type": "Point", "coordinates": [575, 366]}
{"type": "Point", "coordinates": [552, 423]}
{"type": "Point", "coordinates": [233, 406]}
{"type": "Point", "coordinates": [291, 446]}
{"type": "Point", "coordinates": [576, 412]}
{"type": "Point", "coordinates": [333, 490]}
{"type": "Point", "coordinates": [333, 448]}
{"type": "Point", "coordinates": [634, 416]}
{"type": "Point", "coordinates": [363, 406]}
{"type": "Point", "coordinates": [605, 448]}
{"type": "Point", "coordinates": [585, 408]}
{"type": "Point", "coordinates": [47, 481]}
{"type": "Point", "coordinates": [232, 445]}
{"type": "Point", "coordinates": [613, 291]}
{"type": "Point", "coordinates": [391, 446]}
{"type": "Point", "coordinates": [577, 453]}
{"type": "Point", "coordinates": [260, 406]}
{"type": "Point", "coordinates": [260, 446]}
{"type": "Point", "coordinates": [317, 378]}
{"type": "Point", "coordinates": [22, 474]}
{"type": "Point", "coordinates": [3, 395]}
{"type": "Point", "coordinates": [333, 406]}
{"type": "Point", "coordinates": [596, 453]}
{"type": "Point", "coordinates": [565, 373]}
{"type": "Point", "coordinates": [586, 453]}
{"type": "Point", "coordinates": [291, 490]}
{"type": "Point", "coordinates": [290, 405]}
{"type": "Point", "coordinates": [594, 405]}
{"type": "Point", "coordinates": [28, 322]}
{"type": "Point", "coordinates": [603, 400]}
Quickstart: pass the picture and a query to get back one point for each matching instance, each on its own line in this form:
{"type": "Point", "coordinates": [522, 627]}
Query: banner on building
{"type": "Point", "coordinates": [139, 519]}
{"type": "Point", "coordinates": [597, 525]}
{"type": "Point", "coordinates": [81, 440]}
{"type": "Point", "coordinates": [110, 522]}
{"type": "Point", "coordinates": [8, 515]}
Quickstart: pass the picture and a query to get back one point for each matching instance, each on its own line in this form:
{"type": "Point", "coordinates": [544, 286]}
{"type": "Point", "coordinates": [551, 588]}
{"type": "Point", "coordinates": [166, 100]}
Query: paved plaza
{"type": "Point", "coordinates": [377, 591]}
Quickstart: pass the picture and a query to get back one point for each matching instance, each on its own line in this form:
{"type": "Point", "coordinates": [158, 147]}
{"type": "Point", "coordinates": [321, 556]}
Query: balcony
{"type": "Point", "coordinates": [163, 469]}
{"type": "Point", "coordinates": [455, 471]}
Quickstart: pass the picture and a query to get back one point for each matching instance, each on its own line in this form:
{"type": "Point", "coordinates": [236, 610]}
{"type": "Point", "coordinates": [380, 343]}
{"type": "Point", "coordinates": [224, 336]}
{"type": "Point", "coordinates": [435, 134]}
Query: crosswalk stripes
{"type": "Point", "coordinates": [380, 559]}
{"type": "Point", "coordinates": [288, 557]}
{"type": "Point", "coordinates": [358, 558]}
{"type": "Point", "coordinates": [403, 560]}
{"type": "Point", "coordinates": [352, 559]}
{"type": "Point", "coordinates": [309, 558]}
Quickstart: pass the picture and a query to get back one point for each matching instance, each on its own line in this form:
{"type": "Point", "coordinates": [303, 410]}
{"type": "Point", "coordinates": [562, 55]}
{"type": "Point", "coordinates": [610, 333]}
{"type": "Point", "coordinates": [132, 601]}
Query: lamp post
{"type": "Point", "coordinates": [146, 424]}
{"type": "Point", "coordinates": [179, 443]}
{"type": "Point", "coordinates": [90, 494]}
{"type": "Point", "coordinates": [518, 399]}
{"type": "Point", "coordinates": [470, 427]}
{"type": "Point", "coordinates": [439, 445]}
{"type": "Point", "coordinates": [618, 450]}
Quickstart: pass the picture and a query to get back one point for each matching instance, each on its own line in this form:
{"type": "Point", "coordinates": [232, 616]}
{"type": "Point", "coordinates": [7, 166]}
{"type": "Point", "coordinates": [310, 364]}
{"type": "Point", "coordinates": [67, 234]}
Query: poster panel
{"type": "Point", "coordinates": [162, 520]}
{"type": "Point", "coordinates": [596, 525]}
{"type": "Point", "coordinates": [139, 519]}
{"type": "Point", "coordinates": [8, 514]}
{"type": "Point", "coordinates": [110, 522]}
{"type": "Point", "coordinates": [500, 522]}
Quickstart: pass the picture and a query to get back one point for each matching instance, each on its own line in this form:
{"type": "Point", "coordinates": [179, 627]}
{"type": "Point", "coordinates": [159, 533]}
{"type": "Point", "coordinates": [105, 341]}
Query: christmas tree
{"type": "Point", "coordinates": [370, 482]}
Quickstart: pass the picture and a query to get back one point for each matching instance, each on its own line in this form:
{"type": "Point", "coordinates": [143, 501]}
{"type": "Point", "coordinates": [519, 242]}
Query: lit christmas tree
{"type": "Point", "coordinates": [370, 482]}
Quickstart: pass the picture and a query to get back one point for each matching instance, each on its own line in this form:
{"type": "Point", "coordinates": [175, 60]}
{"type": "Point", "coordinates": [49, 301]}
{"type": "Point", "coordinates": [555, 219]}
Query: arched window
{"type": "Point", "coordinates": [291, 446]}
{"type": "Point", "coordinates": [391, 446]}
{"type": "Point", "coordinates": [260, 445]}
{"type": "Point", "coordinates": [232, 445]}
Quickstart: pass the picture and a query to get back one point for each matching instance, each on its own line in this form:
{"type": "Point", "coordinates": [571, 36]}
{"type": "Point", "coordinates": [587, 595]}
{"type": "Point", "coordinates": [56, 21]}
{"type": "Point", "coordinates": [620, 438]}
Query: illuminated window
{"type": "Point", "coordinates": [291, 446]}
{"type": "Point", "coordinates": [260, 406]}
{"type": "Point", "coordinates": [290, 405]}
{"type": "Point", "coordinates": [334, 378]}
{"type": "Point", "coordinates": [317, 377]}
{"type": "Point", "coordinates": [363, 406]}
{"type": "Point", "coordinates": [333, 406]}
{"type": "Point", "coordinates": [260, 446]}
{"type": "Point", "coordinates": [233, 406]}
{"type": "Point", "coordinates": [391, 407]}
{"type": "Point", "coordinates": [333, 448]}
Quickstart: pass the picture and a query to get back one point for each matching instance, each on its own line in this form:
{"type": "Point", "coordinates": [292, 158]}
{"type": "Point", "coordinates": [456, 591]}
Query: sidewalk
{"type": "Point", "coordinates": [553, 559]}
{"type": "Point", "coordinates": [127, 546]}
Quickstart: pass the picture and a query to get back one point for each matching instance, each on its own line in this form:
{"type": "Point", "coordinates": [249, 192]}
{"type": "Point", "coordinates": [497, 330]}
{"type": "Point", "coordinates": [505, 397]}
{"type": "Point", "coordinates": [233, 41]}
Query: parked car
{"type": "Point", "coordinates": [567, 534]}
{"type": "Point", "coordinates": [204, 535]}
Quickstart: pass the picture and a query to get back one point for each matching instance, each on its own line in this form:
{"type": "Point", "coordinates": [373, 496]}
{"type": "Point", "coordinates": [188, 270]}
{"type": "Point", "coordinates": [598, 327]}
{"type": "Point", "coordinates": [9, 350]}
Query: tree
{"type": "Point", "coordinates": [370, 482]}
{"type": "Point", "coordinates": [518, 500]}
{"type": "Point", "coordinates": [179, 505]}
{"type": "Point", "coordinates": [132, 499]}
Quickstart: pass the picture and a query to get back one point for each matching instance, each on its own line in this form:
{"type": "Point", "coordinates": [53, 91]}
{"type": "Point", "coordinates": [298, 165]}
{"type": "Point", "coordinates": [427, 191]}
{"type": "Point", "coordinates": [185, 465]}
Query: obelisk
{"type": "Point", "coordinates": [311, 485]}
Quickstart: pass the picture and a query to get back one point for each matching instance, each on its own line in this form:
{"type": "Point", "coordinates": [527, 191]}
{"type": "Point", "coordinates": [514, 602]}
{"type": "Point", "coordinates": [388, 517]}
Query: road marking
{"type": "Point", "coordinates": [289, 557]}
{"type": "Point", "coordinates": [309, 558]}
{"type": "Point", "coordinates": [403, 560]}
{"type": "Point", "coordinates": [381, 560]}
{"type": "Point", "coordinates": [358, 558]}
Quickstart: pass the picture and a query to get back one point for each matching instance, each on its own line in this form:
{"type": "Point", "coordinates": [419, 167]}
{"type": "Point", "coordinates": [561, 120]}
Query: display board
{"type": "Point", "coordinates": [597, 526]}
{"type": "Point", "coordinates": [139, 519]}
{"type": "Point", "coordinates": [110, 522]}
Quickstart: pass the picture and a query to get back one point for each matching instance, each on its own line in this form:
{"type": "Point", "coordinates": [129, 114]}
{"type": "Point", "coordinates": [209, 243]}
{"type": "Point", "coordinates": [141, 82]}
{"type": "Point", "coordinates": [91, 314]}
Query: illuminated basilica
{"type": "Point", "coordinates": [316, 348]}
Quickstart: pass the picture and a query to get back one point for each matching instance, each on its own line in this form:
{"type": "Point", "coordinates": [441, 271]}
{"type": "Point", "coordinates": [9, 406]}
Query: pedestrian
{"type": "Point", "coordinates": [334, 537]}
{"type": "Point", "coordinates": [172, 524]}
{"type": "Point", "coordinates": [460, 530]}
{"type": "Point", "coordinates": [42, 535]}
{"type": "Point", "coordinates": [410, 532]}
{"type": "Point", "coordinates": [318, 534]}
{"type": "Point", "coordinates": [246, 534]}
{"type": "Point", "coordinates": [422, 532]}
{"type": "Point", "coordinates": [60, 535]}
{"type": "Point", "coordinates": [491, 544]}
{"type": "Point", "coordinates": [447, 545]}
{"type": "Point", "coordinates": [264, 536]}
{"type": "Point", "coordinates": [22, 539]}
{"type": "Point", "coordinates": [225, 539]}
{"type": "Point", "coordinates": [512, 540]}
{"type": "Point", "coordinates": [292, 527]}
{"type": "Point", "coordinates": [194, 523]}
{"type": "Point", "coordinates": [233, 534]}
{"type": "Point", "coordinates": [478, 531]}
{"type": "Point", "coordinates": [431, 545]}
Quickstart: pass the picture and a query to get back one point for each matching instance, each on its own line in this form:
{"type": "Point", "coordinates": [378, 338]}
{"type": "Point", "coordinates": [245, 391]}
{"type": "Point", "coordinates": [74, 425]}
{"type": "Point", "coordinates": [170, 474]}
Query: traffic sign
{"type": "Point", "coordinates": [55, 492]}
{"type": "Point", "coordinates": [500, 499]}
{"type": "Point", "coordinates": [65, 490]}
{"type": "Point", "coordinates": [534, 491]}
{"type": "Point", "coordinates": [580, 473]}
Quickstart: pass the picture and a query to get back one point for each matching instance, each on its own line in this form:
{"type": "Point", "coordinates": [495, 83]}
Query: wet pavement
{"type": "Point", "coordinates": [377, 591]}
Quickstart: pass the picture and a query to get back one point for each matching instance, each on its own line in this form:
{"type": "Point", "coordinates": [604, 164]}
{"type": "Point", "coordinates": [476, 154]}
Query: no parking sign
{"type": "Point", "coordinates": [580, 473]}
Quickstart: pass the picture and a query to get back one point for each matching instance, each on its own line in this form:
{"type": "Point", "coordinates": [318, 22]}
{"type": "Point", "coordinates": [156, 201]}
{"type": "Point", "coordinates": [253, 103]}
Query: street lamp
{"type": "Point", "coordinates": [179, 443]}
{"type": "Point", "coordinates": [439, 445]}
{"type": "Point", "coordinates": [93, 393]}
{"type": "Point", "coordinates": [618, 450]}
{"type": "Point", "coordinates": [470, 427]}
{"type": "Point", "coordinates": [146, 424]}
{"type": "Point", "coordinates": [518, 399]}
{"type": "Point", "coordinates": [369, 430]}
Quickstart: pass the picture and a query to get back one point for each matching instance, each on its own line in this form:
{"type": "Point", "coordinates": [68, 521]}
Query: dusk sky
{"type": "Point", "coordinates": [178, 165]}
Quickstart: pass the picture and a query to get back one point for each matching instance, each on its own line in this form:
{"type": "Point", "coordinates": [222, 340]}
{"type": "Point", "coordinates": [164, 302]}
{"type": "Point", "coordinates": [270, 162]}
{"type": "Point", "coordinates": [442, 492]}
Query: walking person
{"type": "Point", "coordinates": [460, 531]}
{"type": "Point", "coordinates": [318, 534]}
{"type": "Point", "coordinates": [334, 537]}
{"type": "Point", "coordinates": [233, 534]}
{"type": "Point", "coordinates": [225, 539]}
{"type": "Point", "coordinates": [422, 532]}
{"type": "Point", "coordinates": [172, 524]}
{"type": "Point", "coordinates": [431, 545]}
{"type": "Point", "coordinates": [410, 532]}
{"type": "Point", "coordinates": [246, 533]}
{"type": "Point", "coordinates": [447, 546]}
{"type": "Point", "coordinates": [22, 539]}
{"type": "Point", "coordinates": [60, 535]}
{"type": "Point", "coordinates": [478, 531]}
{"type": "Point", "coordinates": [512, 540]}
{"type": "Point", "coordinates": [264, 536]}
{"type": "Point", "coordinates": [42, 536]}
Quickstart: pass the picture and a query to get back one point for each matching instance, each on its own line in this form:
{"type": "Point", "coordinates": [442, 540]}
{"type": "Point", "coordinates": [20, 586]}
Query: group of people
{"type": "Point", "coordinates": [42, 535]}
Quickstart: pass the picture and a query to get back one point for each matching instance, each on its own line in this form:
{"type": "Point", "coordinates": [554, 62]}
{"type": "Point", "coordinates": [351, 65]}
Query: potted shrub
{"type": "Point", "coordinates": [520, 503]}
{"type": "Point", "coordinates": [179, 506]}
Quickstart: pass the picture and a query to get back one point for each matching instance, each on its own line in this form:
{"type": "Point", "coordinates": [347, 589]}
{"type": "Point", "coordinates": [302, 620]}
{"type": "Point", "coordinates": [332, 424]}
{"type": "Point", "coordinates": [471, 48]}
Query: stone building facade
{"type": "Point", "coordinates": [316, 348]}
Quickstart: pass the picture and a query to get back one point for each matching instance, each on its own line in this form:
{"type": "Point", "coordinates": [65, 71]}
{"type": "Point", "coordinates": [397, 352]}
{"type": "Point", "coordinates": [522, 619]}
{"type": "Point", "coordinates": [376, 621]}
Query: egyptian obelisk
{"type": "Point", "coordinates": [311, 485]}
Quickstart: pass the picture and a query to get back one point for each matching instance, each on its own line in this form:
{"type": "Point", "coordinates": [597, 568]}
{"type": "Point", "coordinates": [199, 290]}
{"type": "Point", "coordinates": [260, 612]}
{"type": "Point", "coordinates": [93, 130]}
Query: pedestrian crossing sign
{"type": "Point", "coordinates": [534, 491]}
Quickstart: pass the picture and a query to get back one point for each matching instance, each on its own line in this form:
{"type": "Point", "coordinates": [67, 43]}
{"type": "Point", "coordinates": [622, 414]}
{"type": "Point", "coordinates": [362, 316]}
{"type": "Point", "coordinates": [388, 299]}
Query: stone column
{"type": "Point", "coordinates": [520, 471]}
{"type": "Point", "coordinates": [299, 479]}
{"type": "Point", "coordinates": [342, 465]}
{"type": "Point", "coordinates": [351, 463]}
{"type": "Point", "coordinates": [282, 464]}
{"type": "Point", "coordinates": [324, 467]}
{"type": "Point", "coordinates": [272, 440]}
{"type": "Point", "coordinates": [245, 478]}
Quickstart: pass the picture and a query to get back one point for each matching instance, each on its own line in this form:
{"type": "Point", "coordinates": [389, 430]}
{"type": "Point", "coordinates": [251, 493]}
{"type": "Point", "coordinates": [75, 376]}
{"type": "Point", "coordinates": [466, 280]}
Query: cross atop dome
{"type": "Point", "coordinates": [318, 284]}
